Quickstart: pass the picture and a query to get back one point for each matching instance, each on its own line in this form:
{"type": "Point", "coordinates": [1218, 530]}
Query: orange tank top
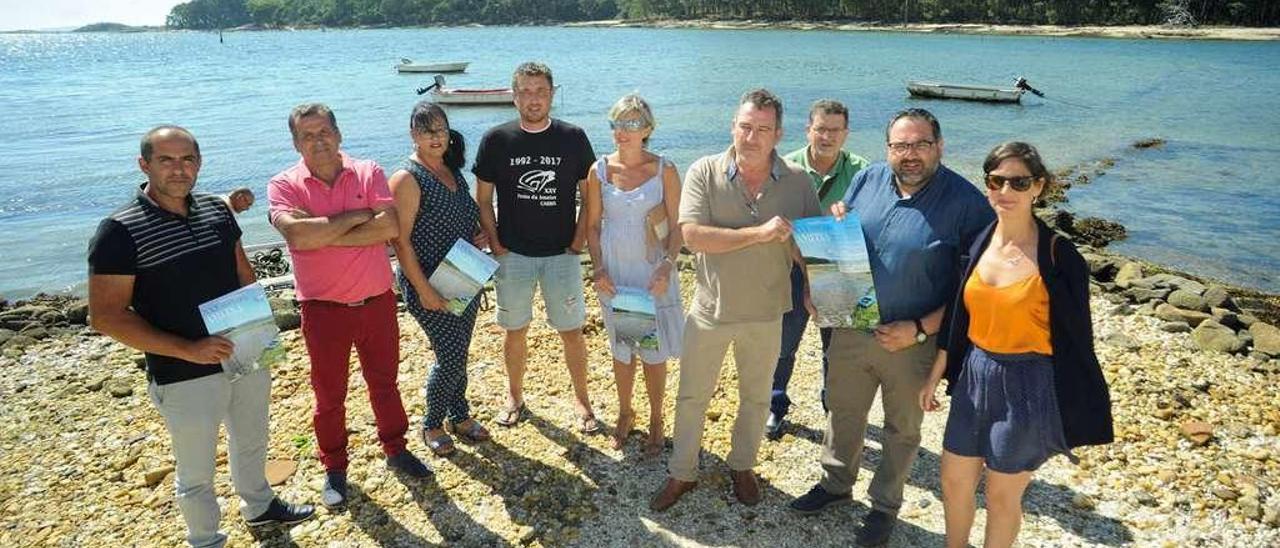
{"type": "Point", "coordinates": [1013, 319]}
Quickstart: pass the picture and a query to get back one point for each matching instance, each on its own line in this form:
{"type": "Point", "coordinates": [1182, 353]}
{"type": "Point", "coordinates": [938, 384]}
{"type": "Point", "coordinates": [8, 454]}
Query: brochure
{"type": "Point", "coordinates": [635, 319]}
{"type": "Point", "coordinates": [462, 274]}
{"type": "Point", "coordinates": [840, 282]}
{"type": "Point", "coordinates": [244, 317]}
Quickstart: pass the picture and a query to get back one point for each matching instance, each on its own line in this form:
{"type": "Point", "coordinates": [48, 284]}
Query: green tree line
{"type": "Point", "coordinates": [215, 14]}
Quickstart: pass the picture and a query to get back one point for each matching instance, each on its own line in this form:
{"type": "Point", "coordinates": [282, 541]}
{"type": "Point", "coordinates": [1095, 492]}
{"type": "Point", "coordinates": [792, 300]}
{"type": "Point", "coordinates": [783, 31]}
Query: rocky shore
{"type": "Point", "coordinates": [1193, 375]}
{"type": "Point", "coordinates": [1089, 31]}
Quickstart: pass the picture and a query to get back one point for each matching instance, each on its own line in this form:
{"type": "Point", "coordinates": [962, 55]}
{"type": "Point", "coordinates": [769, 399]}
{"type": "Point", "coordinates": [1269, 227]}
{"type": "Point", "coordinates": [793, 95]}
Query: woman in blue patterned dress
{"type": "Point", "coordinates": [435, 210]}
{"type": "Point", "coordinates": [622, 189]}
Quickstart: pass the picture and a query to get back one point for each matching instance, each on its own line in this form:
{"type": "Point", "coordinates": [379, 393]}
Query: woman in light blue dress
{"type": "Point", "coordinates": [623, 189]}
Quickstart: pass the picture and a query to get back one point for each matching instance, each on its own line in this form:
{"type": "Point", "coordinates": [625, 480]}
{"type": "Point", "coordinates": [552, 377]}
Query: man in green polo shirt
{"type": "Point", "coordinates": [831, 168]}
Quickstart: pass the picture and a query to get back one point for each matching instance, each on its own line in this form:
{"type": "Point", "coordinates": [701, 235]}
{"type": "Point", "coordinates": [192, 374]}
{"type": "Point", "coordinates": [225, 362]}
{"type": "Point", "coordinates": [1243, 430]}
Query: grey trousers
{"type": "Point", "coordinates": [858, 366]}
{"type": "Point", "coordinates": [755, 351]}
{"type": "Point", "coordinates": [192, 412]}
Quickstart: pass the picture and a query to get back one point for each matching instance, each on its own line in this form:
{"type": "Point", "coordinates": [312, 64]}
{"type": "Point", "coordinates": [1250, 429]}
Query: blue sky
{"type": "Point", "coordinates": [46, 14]}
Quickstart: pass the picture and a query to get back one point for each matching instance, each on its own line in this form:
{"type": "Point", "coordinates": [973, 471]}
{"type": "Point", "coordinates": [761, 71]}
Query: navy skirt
{"type": "Point", "coordinates": [1004, 410]}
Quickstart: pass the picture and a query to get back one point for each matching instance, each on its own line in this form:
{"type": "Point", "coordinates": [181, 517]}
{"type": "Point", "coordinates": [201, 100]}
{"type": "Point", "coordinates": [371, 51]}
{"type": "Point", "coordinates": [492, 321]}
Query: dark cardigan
{"type": "Point", "coordinates": [1083, 399]}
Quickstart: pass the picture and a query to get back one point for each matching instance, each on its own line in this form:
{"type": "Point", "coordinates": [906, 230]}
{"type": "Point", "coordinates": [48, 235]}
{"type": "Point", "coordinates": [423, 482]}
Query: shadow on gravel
{"type": "Point", "coordinates": [548, 500]}
{"type": "Point", "coordinates": [1041, 499]}
{"type": "Point", "coordinates": [454, 524]}
{"type": "Point", "coordinates": [377, 523]}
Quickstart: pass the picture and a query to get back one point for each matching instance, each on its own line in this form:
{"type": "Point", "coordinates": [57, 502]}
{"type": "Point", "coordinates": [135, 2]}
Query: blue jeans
{"type": "Point", "coordinates": [793, 324]}
{"type": "Point", "coordinates": [560, 278]}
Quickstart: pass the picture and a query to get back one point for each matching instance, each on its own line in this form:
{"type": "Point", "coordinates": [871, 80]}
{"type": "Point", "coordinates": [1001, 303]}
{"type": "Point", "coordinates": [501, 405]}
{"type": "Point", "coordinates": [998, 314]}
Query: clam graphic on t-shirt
{"type": "Point", "coordinates": [537, 185]}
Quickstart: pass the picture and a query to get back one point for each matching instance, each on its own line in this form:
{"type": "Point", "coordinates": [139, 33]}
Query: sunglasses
{"type": "Point", "coordinates": [634, 124]}
{"type": "Point", "coordinates": [1020, 184]}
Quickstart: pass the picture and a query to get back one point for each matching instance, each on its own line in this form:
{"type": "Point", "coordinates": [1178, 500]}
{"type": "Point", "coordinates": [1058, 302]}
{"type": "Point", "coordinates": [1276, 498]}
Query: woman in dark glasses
{"type": "Point", "coordinates": [1016, 348]}
{"type": "Point", "coordinates": [632, 204]}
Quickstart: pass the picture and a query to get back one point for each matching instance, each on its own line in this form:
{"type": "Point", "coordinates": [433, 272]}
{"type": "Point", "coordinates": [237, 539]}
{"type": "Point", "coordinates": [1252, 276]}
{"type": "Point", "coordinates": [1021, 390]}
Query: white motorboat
{"type": "Point", "coordinates": [407, 65]}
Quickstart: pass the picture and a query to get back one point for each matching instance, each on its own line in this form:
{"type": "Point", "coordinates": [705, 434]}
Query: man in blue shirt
{"type": "Point", "coordinates": [917, 215]}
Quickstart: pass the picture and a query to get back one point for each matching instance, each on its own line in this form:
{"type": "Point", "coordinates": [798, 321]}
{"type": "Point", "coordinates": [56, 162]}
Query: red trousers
{"type": "Point", "coordinates": [330, 330]}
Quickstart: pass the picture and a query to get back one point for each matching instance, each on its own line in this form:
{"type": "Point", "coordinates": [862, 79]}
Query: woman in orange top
{"type": "Point", "coordinates": [1016, 348]}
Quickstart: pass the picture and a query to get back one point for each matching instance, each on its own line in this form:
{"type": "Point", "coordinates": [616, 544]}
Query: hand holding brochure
{"type": "Point", "coordinates": [244, 318]}
{"type": "Point", "coordinates": [462, 274]}
{"type": "Point", "coordinates": [635, 319]}
{"type": "Point", "coordinates": [840, 281]}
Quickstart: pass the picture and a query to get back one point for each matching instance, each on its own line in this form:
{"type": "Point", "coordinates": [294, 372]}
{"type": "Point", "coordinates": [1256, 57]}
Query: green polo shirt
{"type": "Point", "coordinates": [835, 184]}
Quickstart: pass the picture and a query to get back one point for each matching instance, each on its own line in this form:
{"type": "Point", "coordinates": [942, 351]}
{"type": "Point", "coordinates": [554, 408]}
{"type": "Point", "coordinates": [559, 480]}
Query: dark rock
{"type": "Point", "coordinates": [1187, 300]}
{"type": "Point", "coordinates": [1142, 295]}
{"type": "Point", "coordinates": [16, 324]}
{"type": "Point", "coordinates": [1127, 273]}
{"type": "Point", "coordinates": [1098, 232]}
{"type": "Point", "coordinates": [1170, 313]}
{"type": "Point", "coordinates": [1215, 337]}
{"type": "Point", "coordinates": [35, 331]}
{"type": "Point", "coordinates": [1175, 327]}
{"type": "Point", "coordinates": [1112, 297]}
{"type": "Point", "coordinates": [1227, 318]}
{"type": "Point", "coordinates": [1266, 338]}
{"type": "Point", "coordinates": [78, 313]}
{"type": "Point", "coordinates": [1101, 267]}
{"type": "Point", "coordinates": [1153, 142]}
{"type": "Point", "coordinates": [1122, 309]}
{"type": "Point", "coordinates": [286, 314]}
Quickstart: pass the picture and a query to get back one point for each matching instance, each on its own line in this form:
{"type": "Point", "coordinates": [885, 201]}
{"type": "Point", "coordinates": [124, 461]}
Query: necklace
{"type": "Point", "coordinates": [1013, 261]}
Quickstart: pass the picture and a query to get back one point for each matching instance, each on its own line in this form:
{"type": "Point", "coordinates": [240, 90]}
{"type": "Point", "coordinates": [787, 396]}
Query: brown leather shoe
{"type": "Point", "coordinates": [745, 487]}
{"type": "Point", "coordinates": [670, 493]}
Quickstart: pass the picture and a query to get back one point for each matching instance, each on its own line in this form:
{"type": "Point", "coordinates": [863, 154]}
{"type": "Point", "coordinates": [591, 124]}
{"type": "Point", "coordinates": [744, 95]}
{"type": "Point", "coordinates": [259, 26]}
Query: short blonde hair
{"type": "Point", "coordinates": [633, 103]}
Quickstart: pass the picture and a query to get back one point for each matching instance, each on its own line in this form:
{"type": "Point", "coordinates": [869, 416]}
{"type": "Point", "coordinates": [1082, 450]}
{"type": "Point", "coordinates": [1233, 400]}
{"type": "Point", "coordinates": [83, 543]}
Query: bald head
{"type": "Point", "coordinates": [166, 132]}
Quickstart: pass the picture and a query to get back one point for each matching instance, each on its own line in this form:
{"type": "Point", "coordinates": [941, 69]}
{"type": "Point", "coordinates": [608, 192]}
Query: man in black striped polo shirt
{"type": "Point", "coordinates": [151, 264]}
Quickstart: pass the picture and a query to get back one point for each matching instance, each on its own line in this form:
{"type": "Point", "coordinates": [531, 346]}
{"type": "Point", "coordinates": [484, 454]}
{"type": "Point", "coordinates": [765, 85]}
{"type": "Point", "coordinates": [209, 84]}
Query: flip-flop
{"type": "Point", "coordinates": [510, 416]}
{"type": "Point", "coordinates": [472, 434]}
{"type": "Point", "coordinates": [440, 446]}
{"type": "Point", "coordinates": [587, 424]}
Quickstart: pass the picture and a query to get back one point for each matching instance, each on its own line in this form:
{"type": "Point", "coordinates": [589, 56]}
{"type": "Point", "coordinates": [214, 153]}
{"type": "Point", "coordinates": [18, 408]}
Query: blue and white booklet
{"type": "Point", "coordinates": [244, 317]}
{"type": "Point", "coordinates": [635, 318]}
{"type": "Point", "coordinates": [840, 282]}
{"type": "Point", "coordinates": [462, 274]}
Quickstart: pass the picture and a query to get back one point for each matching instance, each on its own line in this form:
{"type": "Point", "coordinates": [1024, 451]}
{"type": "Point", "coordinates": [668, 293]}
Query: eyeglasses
{"type": "Point", "coordinates": [824, 131]}
{"type": "Point", "coordinates": [903, 148]}
{"type": "Point", "coordinates": [632, 125]}
{"type": "Point", "coordinates": [1019, 184]}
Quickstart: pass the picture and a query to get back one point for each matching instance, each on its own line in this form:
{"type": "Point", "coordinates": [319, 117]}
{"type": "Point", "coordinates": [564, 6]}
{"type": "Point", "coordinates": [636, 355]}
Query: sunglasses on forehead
{"type": "Point", "coordinates": [1020, 184]}
{"type": "Point", "coordinates": [634, 124]}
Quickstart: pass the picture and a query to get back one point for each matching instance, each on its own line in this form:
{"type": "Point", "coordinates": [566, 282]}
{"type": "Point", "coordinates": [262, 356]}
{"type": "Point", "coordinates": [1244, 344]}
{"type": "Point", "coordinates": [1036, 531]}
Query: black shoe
{"type": "Point", "coordinates": [876, 528]}
{"type": "Point", "coordinates": [283, 513]}
{"type": "Point", "coordinates": [405, 463]}
{"type": "Point", "coordinates": [334, 495]}
{"type": "Point", "coordinates": [774, 427]}
{"type": "Point", "coordinates": [817, 500]}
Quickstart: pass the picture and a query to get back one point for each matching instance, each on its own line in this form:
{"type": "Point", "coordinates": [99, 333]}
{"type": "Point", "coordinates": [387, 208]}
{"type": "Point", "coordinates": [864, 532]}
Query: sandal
{"type": "Point", "coordinates": [440, 446]}
{"type": "Point", "coordinates": [623, 429]}
{"type": "Point", "coordinates": [510, 416]}
{"type": "Point", "coordinates": [473, 433]}
{"type": "Point", "coordinates": [587, 424]}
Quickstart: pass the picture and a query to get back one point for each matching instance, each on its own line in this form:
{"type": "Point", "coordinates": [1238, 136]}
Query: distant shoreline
{"type": "Point", "coordinates": [1245, 34]}
{"type": "Point", "coordinates": [1082, 31]}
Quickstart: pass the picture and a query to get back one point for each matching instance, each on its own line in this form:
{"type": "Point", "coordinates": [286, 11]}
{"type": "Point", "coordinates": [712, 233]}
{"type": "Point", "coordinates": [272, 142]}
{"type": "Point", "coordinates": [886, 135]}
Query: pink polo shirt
{"type": "Point", "coordinates": [335, 273]}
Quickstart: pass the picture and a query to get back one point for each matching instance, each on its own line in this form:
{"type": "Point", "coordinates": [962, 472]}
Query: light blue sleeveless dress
{"type": "Point", "coordinates": [630, 263]}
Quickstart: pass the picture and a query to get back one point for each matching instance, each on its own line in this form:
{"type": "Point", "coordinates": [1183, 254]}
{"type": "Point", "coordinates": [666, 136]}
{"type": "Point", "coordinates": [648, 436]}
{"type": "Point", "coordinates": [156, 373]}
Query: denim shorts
{"type": "Point", "coordinates": [1005, 409]}
{"type": "Point", "coordinates": [559, 276]}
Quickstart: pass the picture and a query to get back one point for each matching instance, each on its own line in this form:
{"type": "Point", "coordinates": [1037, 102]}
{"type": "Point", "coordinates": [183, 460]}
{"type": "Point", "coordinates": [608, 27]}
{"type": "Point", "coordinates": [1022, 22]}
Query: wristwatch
{"type": "Point", "coordinates": [921, 336]}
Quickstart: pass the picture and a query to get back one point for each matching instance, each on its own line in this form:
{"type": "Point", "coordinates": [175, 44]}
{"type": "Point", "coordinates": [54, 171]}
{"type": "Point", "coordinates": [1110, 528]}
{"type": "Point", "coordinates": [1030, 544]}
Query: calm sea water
{"type": "Point", "coordinates": [72, 107]}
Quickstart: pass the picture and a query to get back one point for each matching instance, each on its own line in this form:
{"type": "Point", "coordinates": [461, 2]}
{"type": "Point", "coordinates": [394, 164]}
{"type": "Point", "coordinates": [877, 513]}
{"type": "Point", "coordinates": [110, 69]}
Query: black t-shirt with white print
{"type": "Point", "coordinates": [535, 176]}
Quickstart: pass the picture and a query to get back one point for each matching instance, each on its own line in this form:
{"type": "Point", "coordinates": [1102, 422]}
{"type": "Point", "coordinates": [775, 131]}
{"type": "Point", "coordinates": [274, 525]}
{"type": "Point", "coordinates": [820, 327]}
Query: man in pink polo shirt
{"type": "Point", "coordinates": [337, 215]}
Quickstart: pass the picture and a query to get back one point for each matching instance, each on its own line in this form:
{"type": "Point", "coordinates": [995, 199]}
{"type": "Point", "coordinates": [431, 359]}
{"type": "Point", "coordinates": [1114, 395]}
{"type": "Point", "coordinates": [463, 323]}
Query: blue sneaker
{"type": "Point", "coordinates": [334, 495]}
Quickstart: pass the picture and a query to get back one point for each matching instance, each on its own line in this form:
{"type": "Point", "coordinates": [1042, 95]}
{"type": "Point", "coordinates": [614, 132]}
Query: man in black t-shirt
{"type": "Point", "coordinates": [538, 166]}
{"type": "Point", "coordinates": [151, 264]}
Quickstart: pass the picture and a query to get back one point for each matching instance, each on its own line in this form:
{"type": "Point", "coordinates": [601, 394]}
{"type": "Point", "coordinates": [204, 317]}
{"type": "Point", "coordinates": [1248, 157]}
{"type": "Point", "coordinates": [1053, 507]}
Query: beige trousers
{"type": "Point", "coordinates": [755, 351]}
{"type": "Point", "coordinates": [858, 365]}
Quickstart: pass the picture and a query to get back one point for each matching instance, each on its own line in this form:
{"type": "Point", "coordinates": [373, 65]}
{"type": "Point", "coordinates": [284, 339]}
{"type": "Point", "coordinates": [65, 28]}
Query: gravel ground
{"type": "Point", "coordinates": [85, 461]}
